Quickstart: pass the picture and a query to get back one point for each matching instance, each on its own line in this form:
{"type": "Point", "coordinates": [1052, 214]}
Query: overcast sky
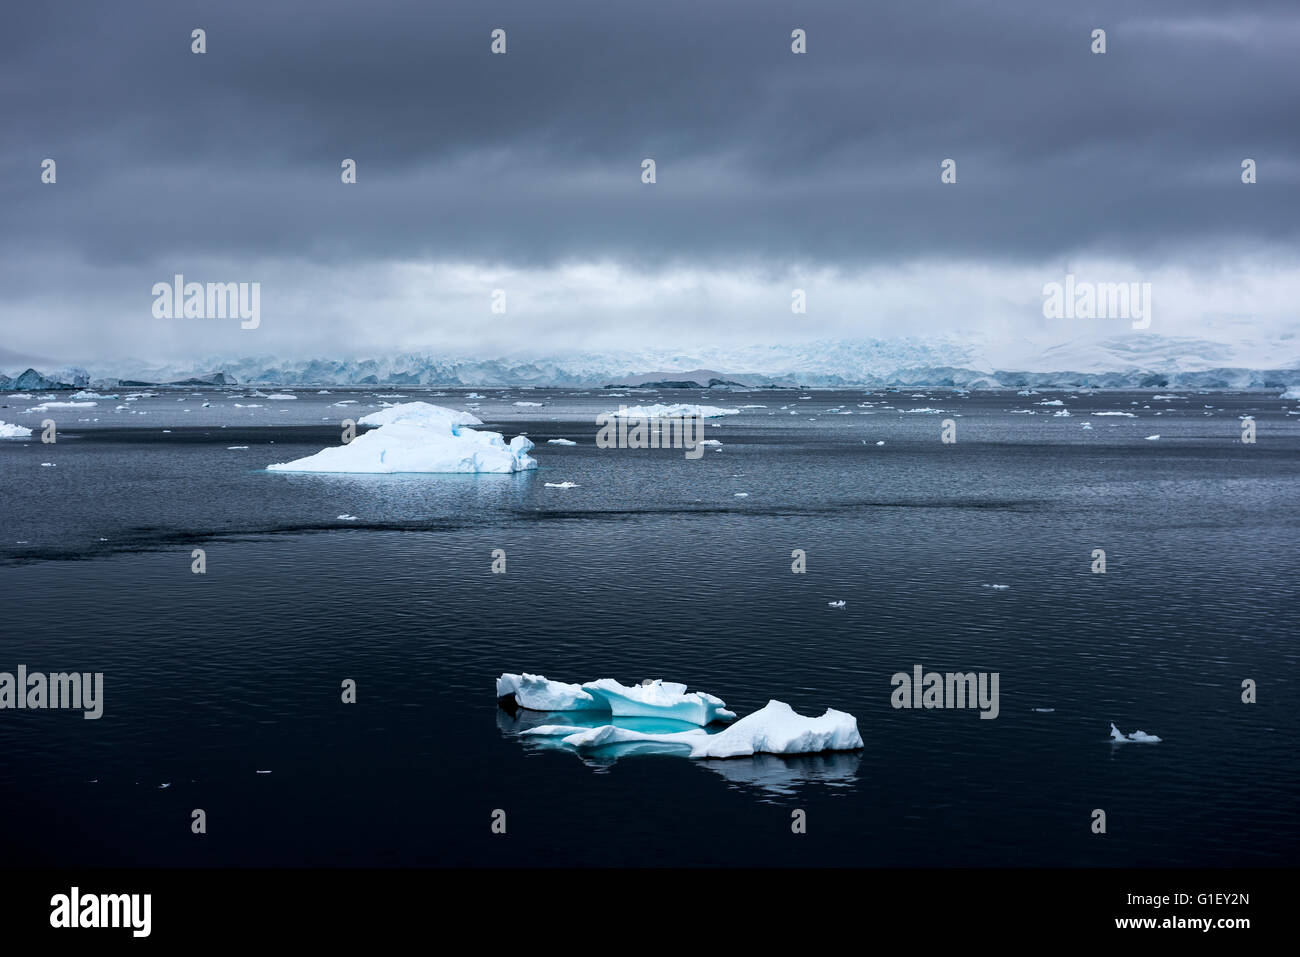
{"type": "Point", "coordinates": [523, 171]}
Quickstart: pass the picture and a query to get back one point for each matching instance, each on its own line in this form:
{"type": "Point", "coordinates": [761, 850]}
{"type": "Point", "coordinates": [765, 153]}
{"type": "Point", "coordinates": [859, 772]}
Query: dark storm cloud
{"type": "Point", "coordinates": [534, 157]}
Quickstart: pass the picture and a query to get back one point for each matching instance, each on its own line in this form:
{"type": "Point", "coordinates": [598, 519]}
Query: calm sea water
{"type": "Point", "coordinates": [654, 567]}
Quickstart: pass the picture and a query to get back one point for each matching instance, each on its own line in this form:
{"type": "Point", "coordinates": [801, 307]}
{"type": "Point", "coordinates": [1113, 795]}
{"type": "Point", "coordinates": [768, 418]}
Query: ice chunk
{"type": "Point", "coordinates": [13, 430]}
{"type": "Point", "coordinates": [421, 413]}
{"type": "Point", "coordinates": [774, 729]}
{"type": "Point", "coordinates": [836, 604]}
{"type": "Point", "coordinates": [672, 411]}
{"type": "Point", "coordinates": [281, 396]}
{"type": "Point", "coordinates": [1141, 736]}
{"type": "Point", "coordinates": [560, 442]}
{"type": "Point", "coordinates": [561, 484]}
{"type": "Point", "coordinates": [419, 437]}
{"type": "Point", "coordinates": [537, 693]}
{"type": "Point", "coordinates": [660, 699]}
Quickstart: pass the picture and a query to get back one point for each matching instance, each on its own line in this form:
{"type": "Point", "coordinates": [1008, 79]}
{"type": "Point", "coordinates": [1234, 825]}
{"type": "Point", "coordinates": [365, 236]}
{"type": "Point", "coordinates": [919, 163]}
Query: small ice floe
{"type": "Point", "coordinates": [251, 405]}
{"type": "Point", "coordinates": [1063, 414]}
{"type": "Point", "coordinates": [263, 772]}
{"type": "Point", "coordinates": [774, 729]}
{"type": "Point", "coordinates": [836, 604]}
{"type": "Point", "coordinates": [281, 396]}
{"type": "Point", "coordinates": [47, 465]}
{"type": "Point", "coordinates": [535, 405]}
{"type": "Point", "coordinates": [13, 431]}
{"type": "Point", "coordinates": [346, 402]}
{"type": "Point", "coordinates": [561, 484]}
{"type": "Point", "coordinates": [166, 785]}
{"type": "Point", "coordinates": [710, 442]}
{"type": "Point", "coordinates": [235, 448]}
{"type": "Point", "coordinates": [347, 518]}
{"type": "Point", "coordinates": [998, 587]}
{"type": "Point", "coordinates": [1140, 736]}
{"type": "Point", "coordinates": [742, 495]}
{"type": "Point", "coordinates": [560, 442]}
{"type": "Point", "coordinates": [1045, 710]}
{"type": "Point", "coordinates": [1153, 438]}
{"type": "Point", "coordinates": [1292, 392]}
{"type": "Point", "coordinates": [679, 410]}
{"type": "Point", "coordinates": [1087, 425]}
{"type": "Point", "coordinates": [1050, 402]}
{"type": "Point", "coordinates": [46, 406]}
{"type": "Point", "coordinates": [1127, 415]}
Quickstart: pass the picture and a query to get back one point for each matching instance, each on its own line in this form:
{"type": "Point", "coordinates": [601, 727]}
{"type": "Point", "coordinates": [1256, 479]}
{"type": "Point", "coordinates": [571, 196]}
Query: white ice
{"type": "Point", "coordinates": [774, 729]}
{"type": "Point", "coordinates": [660, 411]}
{"type": "Point", "coordinates": [419, 437]}
{"type": "Point", "coordinates": [560, 442]}
{"type": "Point", "coordinates": [660, 699]}
{"type": "Point", "coordinates": [537, 693]}
{"type": "Point", "coordinates": [1141, 736]}
{"type": "Point", "coordinates": [13, 430]}
{"type": "Point", "coordinates": [1292, 392]}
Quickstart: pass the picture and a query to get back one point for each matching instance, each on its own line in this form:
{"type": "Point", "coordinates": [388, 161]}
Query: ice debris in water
{"type": "Point", "coordinates": [1117, 735]}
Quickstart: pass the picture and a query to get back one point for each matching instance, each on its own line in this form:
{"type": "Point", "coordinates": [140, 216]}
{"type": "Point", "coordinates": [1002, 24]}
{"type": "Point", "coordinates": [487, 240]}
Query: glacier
{"type": "Point", "coordinates": [419, 437]}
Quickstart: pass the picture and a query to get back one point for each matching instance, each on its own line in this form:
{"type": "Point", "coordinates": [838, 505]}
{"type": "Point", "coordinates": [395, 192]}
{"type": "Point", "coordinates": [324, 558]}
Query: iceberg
{"type": "Point", "coordinates": [560, 442]}
{"type": "Point", "coordinates": [13, 430]}
{"type": "Point", "coordinates": [537, 693]}
{"type": "Point", "coordinates": [1292, 392]}
{"type": "Point", "coordinates": [672, 411]}
{"type": "Point", "coordinates": [651, 699]}
{"type": "Point", "coordinates": [660, 699]}
{"type": "Point", "coordinates": [419, 437]}
{"type": "Point", "coordinates": [774, 729]}
{"type": "Point", "coordinates": [1141, 736]}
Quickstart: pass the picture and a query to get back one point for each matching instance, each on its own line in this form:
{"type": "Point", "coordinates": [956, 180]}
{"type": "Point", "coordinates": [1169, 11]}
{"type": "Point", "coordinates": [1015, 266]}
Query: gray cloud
{"type": "Point", "coordinates": [766, 160]}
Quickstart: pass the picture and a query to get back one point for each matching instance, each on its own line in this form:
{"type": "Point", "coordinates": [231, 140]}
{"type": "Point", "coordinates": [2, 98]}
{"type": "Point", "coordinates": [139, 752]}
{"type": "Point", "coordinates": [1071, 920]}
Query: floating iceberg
{"type": "Point", "coordinates": [672, 411]}
{"type": "Point", "coordinates": [1293, 392]}
{"type": "Point", "coordinates": [419, 437]}
{"type": "Point", "coordinates": [660, 699]}
{"type": "Point", "coordinates": [560, 442]}
{"type": "Point", "coordinates": [537, 693]}
{"type": "Point", "coordinates": [1141, 736]}
{"type": "Point", "coordinates": [774, 729]}
{"type": "Point", "coordinates": [651, 699]}
{"type": "Point", "coordinates": [13, 430]}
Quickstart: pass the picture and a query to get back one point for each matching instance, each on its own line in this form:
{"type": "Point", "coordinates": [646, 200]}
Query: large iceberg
{"type": "Point", "coordinates": [419, 437]}
{"type": "Point", "coordinates": [650, 699]}
{"type": "Point", "coordinates": [774, 729]}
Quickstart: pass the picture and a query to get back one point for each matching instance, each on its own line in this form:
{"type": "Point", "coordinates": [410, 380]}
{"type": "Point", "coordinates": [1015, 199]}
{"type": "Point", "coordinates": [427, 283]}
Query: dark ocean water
{"type": "Point", "coordinates": [653, 567]}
